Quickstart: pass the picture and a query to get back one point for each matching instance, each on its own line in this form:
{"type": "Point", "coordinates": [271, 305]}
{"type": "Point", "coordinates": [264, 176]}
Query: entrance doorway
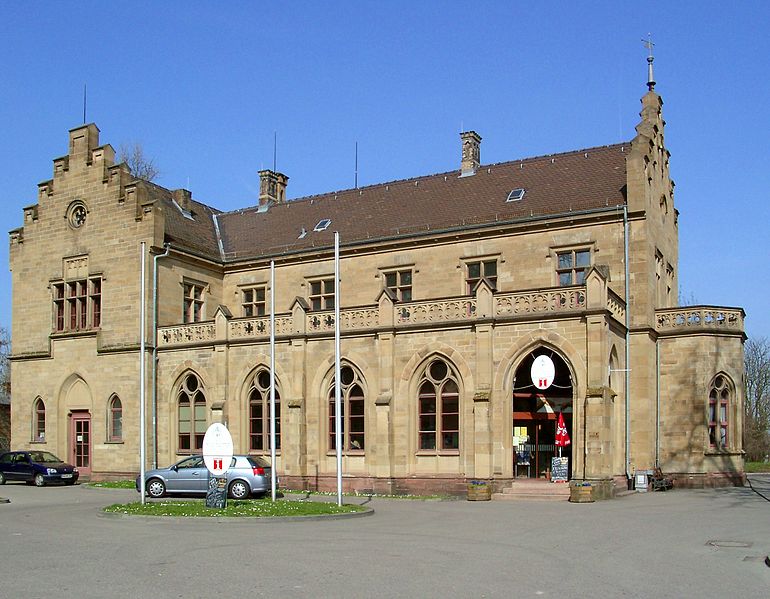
{"type": "Point", "coordinates": [80, 442]}
{"type": "Point", "coordinates": [535, 415]}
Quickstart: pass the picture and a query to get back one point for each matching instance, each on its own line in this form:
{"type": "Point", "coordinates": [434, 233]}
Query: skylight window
{"type": "Point", "coordinates": [322, 225]}
{"type": "Point", "coordinates": [515, 195]}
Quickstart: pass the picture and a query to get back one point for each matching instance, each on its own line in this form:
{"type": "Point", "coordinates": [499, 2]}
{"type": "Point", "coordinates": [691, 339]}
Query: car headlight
{"type": "Point", "coordinates": [51, 470]}
{"type": "Point", "coordinates": [75, 470]}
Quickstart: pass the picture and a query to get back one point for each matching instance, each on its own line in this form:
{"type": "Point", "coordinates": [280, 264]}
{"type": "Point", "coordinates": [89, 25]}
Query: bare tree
{"type": "Point", "coordinates": [756, 428]}
{"type": "Point", "coordinates": [140, 165]}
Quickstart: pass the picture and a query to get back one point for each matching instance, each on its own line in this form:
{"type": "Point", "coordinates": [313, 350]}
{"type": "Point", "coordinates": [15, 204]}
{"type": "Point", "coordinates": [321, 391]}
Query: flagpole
{"type": "Point", "coordinates": [142, 325]}
{"type": "Point", "coordinates": [337, 398]}
{"type": "Point", "coordinates": [272, 381]}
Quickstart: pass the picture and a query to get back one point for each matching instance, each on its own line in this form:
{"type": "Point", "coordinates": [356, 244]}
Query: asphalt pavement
{"type": "Point", "coordinates": [55, 542]}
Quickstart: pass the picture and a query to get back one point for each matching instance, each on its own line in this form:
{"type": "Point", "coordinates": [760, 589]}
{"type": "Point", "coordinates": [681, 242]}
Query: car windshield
{"type": "Point", "coordinates": [44, 457]}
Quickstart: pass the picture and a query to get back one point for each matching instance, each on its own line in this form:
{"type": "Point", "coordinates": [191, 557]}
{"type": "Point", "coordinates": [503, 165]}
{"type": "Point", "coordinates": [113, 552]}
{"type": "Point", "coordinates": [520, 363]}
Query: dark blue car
{"type": "Point", "coordinates": [38, 467]}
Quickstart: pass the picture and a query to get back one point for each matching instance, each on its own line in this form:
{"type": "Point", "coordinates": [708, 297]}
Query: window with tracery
{"type": "Point", "coordinates": [191, 415]}
{"type": "Point", "coordinates": [720, 398]}
{"type": "Point", "coordinates": [259, 412]}
{"type": "Point", "coordinates": [438, 408]}
{"type": "Point", "coordinates": [351, 411]}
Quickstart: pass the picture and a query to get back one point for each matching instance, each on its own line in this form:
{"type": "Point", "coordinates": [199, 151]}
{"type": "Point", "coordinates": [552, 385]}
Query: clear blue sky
{"type": "Point", "coordinates": [203, 86]}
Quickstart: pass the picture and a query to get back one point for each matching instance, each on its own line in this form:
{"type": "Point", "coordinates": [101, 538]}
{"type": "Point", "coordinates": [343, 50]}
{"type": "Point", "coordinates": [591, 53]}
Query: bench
{"type": "Point", "coordinates": [660, 482]}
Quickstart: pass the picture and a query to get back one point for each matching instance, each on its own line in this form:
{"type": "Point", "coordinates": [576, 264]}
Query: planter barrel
{"type": "Point", "coordinates": [479, 491]}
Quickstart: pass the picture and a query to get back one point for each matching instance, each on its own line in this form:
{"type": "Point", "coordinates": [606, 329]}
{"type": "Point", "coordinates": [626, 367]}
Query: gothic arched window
{"type": "Point", "coordinates": [259, 412]}
{"type": "Point", "coordinates": [720, 401]}
{"type": "Point", "coordinates": [352, 411]}
{"type": "Point", "coordinates": [38, 421]}
{"type": "Point", "coordinates": [191, 415]}
{"type": "Point", "coordinates": [438, 408]}
{"type": "Point", "coordinates": [115, 419]}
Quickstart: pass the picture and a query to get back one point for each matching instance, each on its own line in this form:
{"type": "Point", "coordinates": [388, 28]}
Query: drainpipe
{"type": "Point", "coordinates": [628, 338]}
{"type": "Point", "coordinates": [155, 353]}
{"type": "Point", "coordinates": [657, 403]}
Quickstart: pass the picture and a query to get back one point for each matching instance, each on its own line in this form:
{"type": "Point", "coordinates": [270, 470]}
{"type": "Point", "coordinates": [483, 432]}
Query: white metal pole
{"type": "Point", "coordinates": [142, 325]}
{"type": "Point", "coordinates": [337, 398]}
{"type": "Point", "coordinates": [272, 380]}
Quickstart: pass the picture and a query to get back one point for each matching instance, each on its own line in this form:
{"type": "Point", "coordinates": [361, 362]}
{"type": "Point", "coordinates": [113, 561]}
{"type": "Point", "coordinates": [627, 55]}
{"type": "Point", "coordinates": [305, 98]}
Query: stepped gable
{"type": "Point", "coordinates": [573, 181]}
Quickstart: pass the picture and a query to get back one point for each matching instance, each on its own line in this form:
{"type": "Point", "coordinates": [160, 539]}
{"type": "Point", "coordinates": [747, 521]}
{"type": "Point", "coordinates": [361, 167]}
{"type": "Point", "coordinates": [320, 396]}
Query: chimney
{"type": "Point", "coordinates": [272, 187]}
{"type": "Point", "coordinates": [471, 142]}
{"type": "Point", "coordinates": [182, 197]}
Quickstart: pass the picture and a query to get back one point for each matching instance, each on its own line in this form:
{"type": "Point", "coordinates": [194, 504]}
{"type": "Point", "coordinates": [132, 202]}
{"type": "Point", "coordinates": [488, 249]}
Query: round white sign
{"type": "Point", "coordinates": [217, 449]}
{"type": "Point", "coordinates": [542, 372]}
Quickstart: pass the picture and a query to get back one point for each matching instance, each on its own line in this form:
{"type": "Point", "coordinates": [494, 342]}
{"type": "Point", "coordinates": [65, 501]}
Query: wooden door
{"type": "Point", "coordinates": [80, 442]}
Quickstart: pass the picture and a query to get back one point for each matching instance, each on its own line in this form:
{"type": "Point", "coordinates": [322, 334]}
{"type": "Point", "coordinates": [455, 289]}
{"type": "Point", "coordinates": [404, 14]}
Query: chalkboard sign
{"type": "Point", "coordinates": [559, 469]}
{"type": "Point", "coordinates": [216, 495]}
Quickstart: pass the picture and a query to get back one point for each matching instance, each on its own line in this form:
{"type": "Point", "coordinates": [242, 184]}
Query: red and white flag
{"type": "Point", "coordinates": [562, 436]}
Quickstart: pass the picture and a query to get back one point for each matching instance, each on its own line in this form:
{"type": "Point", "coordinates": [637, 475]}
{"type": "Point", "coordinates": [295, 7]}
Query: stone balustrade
{"type": "Point", "coordinates": [699, 319]}
{"type": "Point", "coordinates": [539, 302]}
{"type": "Point", "coordinates": [535, 303]}
{"type": "Point", "coordinates": [187, 333]}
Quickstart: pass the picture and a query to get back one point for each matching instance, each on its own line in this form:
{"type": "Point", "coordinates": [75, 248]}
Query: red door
{"type": "Point", "coordinates": [80, 442]}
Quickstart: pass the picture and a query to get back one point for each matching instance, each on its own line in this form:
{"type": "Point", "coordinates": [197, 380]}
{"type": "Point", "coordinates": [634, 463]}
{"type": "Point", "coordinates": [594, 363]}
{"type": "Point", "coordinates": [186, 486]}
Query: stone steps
{"type": "Point", "coordinates": [534, 490]}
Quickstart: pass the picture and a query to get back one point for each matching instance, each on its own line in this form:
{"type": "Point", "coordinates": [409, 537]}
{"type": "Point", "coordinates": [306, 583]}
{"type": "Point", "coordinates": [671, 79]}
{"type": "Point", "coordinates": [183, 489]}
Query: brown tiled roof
{"type": "Point", "coordinates": [574, 181]}
{"type": "Point", "coordinates": [195, 231]}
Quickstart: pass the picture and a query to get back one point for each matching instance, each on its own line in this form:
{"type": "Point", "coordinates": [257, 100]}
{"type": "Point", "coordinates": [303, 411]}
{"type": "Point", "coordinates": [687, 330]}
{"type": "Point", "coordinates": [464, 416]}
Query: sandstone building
{"type": "Point", "coordinates": [451, 285]}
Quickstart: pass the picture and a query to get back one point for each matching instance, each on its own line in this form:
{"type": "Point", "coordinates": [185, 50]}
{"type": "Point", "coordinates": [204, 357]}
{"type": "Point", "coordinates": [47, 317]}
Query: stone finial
{"type": "Point", "coordinates": [471, 153]}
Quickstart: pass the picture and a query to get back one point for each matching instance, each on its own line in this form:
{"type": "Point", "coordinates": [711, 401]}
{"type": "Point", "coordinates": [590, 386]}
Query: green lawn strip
{"type": "Point", "coordinates": [261, 508]}
{"type": "Point", "coordinates": [129, 484]}
{"type": "Point", "coordinates": [757, 467]}
{"type": "Point", "coordinates": [113, 484]}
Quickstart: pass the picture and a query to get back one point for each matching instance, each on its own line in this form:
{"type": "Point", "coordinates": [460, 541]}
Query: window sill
{"type": "Point", "coordinates": [38, 442]}
{"type": "Point", "coordinates": [114, 442]}
{"type": "Point", "coordinates": [351, 454]}
{"type": "Point", "coordinates": [713, 451]}
{"type": "Point", "coordinates": [82, 333]}
{"type": "Point", "coordinates": [445, 452]}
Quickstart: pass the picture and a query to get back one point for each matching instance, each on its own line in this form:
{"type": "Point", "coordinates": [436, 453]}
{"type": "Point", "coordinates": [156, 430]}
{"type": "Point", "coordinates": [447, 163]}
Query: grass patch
{"type": "Point", "coordinates": [757, 467]}
{"type": "Point", "coordinates": [256, 508]}
{"type": "Point", "coordinates": [113, 484]}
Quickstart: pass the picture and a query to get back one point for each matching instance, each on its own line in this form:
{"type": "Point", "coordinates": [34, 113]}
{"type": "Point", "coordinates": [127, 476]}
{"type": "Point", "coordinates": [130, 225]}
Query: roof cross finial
{"type": "Point", "coordinates": [650, 78]}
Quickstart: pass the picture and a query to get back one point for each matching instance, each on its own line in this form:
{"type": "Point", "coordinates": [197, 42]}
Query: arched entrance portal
{"type": "Point", "coordinates": [535, 414]}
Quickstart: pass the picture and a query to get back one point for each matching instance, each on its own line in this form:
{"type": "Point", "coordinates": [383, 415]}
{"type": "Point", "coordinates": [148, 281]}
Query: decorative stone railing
{"type": "Point", "coordinates": [435, 311]}
{"type": "Point", "coordinates": [350, 319]}
{"type": "Point", "coordinates": [187, 333]}
{"type": "Point", "coordinates": [258, 327]}
{"type": "Point", "coordinates": [484, 305]}
{"type": "Point", "coordinates": [541, 301]}
{"type": "Point", "coordinates": [698, 319]}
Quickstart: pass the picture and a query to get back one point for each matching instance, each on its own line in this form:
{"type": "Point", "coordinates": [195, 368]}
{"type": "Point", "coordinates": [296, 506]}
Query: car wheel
{"type": "Point", "coordinates": [156, 488]}
{"type": "Point", "coordinates": [239, 490]}
{"type": "Point", "coordinates": [39, 480]}
{"type": "Point", "coordinates": [2, 478]}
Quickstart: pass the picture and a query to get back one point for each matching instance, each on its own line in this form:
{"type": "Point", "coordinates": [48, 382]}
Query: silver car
{"type": "Point", "coordinates": [248, 475]}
